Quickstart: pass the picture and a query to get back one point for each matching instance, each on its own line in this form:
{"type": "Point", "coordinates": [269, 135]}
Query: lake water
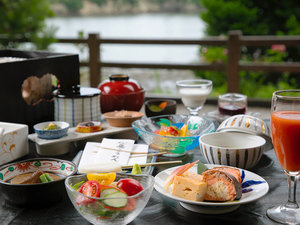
{"type": "Point", "coordinates": [156, 26]}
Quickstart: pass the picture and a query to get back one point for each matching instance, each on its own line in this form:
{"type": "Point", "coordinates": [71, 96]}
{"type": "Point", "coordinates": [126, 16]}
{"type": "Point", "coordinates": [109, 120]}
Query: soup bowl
{"type": "Point", "coordinates": [233, 149]}
{"type": "Point", "coordinates": [39, 194]}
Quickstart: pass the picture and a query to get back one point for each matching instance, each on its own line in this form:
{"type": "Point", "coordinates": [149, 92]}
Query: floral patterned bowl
{"type": "Point", "coordinates": [35, 195]}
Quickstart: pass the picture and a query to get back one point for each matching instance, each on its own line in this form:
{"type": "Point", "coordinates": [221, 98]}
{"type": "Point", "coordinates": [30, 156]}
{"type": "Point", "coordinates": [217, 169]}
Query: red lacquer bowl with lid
{"type": "Point", "coordinates": [121, 93]}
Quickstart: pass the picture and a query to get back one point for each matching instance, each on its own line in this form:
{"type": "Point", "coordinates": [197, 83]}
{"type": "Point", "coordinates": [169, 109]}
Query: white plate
{"type": "Point", "coordinates": [256, 191]}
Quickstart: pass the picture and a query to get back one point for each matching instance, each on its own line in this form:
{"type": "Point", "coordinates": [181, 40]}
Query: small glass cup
{"type": "Point", "coordinates": [194, 93]}
{"type": "Point", "coordinates": [232, 104]}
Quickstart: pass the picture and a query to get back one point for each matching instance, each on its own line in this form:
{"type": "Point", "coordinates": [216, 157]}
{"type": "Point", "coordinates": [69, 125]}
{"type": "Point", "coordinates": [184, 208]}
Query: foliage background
{"type": "Point", "coordinates": [252, 17]}
{"type": "Point", "coordinates": [26, 18]}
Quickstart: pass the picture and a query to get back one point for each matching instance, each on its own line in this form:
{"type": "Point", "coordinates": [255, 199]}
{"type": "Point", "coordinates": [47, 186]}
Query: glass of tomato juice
{"type": "Point", "coordinates": [285, 128]}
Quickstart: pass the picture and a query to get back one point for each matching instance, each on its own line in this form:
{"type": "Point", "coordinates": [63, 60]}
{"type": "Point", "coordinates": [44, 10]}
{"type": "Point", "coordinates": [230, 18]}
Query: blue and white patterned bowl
{"type": "Point", "coordinates": [232, 149]}
{"type": "Point", "coordinates": [51, 134]}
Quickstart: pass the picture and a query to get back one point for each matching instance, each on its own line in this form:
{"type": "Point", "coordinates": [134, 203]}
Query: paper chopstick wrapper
{"type": "Point", "coordinates": [100, 168]}
{"type": "Point", "coordinates": [109, 156]}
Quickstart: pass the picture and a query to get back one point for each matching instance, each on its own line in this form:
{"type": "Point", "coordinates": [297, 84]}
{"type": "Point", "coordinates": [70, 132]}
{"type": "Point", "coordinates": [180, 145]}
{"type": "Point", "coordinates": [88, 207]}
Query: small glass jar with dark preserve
{"type": "Point", "coordinates": [232, 104]}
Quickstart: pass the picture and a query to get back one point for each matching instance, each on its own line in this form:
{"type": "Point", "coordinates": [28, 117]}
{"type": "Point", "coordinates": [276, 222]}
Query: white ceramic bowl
{"type": "Point", "coordinates": [247, 124]}
{"type": "Point", "coordinates": [51, 134]}
{"type": "Point", "coordinates": [232, 149]}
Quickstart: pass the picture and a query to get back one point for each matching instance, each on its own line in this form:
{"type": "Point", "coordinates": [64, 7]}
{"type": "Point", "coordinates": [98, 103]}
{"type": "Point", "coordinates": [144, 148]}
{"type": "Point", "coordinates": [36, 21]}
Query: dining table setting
{"type": "Point", "coordinates": [110, 156]}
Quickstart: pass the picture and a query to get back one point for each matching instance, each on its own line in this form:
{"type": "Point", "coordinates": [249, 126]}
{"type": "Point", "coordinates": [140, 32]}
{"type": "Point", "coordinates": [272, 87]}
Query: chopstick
{"type": "Point", "coordinates": [150, 154]}
{"type": "Point", "coordinates": [120, 150]}
{"type": "Point", "coordinates": [154, 164]}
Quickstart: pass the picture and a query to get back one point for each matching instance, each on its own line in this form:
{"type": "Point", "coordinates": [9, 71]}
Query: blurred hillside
{"type": "Point", "coordinates": [114, 7]}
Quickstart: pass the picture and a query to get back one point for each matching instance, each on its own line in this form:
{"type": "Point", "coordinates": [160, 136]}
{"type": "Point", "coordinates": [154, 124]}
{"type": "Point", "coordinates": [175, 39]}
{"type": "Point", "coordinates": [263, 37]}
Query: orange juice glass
{"type": "Point", "coordinates": [285, 129]}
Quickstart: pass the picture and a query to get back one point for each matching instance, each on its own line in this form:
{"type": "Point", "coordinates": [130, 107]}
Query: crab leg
{"type": "Point", "coordinates": [180, 170]}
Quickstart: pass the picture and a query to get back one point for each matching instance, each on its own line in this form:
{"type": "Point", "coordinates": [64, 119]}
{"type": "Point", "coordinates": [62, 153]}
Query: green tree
{"type": "Point", "coordinates": [259, 17]}
{"type": "Point", "coordinates": [25, 18]}
{"type": "Point", "coordinates": [252, 17]}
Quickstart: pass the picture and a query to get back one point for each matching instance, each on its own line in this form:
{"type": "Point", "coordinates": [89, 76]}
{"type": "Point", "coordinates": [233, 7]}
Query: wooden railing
{"type": "Point", "coordinates": [233, 43]}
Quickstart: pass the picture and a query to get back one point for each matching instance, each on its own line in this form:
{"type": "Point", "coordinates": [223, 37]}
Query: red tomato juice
{"type": "Point", "coordinates": [285, 127]}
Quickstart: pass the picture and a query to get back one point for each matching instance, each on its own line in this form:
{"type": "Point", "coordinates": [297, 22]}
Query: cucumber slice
{"type": "Point", "coordinates": [117, 199]}
{"type": "Point", "coordinates": [43, 178]}
{"type": "Point", "coordinates": [107, 192]}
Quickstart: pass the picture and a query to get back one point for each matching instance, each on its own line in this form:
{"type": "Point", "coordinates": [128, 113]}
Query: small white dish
{"type": "Point", "coordinates": [250, 193]}
{"type": "Point", "coordinates": [43, 133]}
{"type": "Point", "coordinates": [232, 149]}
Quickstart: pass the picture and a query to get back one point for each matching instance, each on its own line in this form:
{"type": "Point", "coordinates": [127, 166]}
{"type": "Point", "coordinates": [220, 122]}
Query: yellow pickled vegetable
{"type": "Point", "coordinates": [102, 178]}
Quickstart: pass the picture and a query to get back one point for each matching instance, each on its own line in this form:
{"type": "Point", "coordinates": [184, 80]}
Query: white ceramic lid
{"type": "Point", "coordinates": [247, 124]}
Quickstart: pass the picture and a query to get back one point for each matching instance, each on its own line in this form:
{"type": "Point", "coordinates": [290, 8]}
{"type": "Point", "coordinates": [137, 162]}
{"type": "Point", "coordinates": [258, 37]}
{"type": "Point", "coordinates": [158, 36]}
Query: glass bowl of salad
{"type": "Point", "coordinates": [174, 134]}
{"type": "Point", "coordinates": [109, 198]}
{"type": "Point", "coordinates": [51, 129]}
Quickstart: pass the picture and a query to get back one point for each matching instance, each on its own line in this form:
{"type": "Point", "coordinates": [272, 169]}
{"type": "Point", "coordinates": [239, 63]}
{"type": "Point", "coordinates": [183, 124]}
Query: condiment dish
{"type": "Point", "coordinates": [159, 107]}
{"type": "Point", "coordinates": [61, 130]}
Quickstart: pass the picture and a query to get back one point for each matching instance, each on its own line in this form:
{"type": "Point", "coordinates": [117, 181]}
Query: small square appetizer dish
{"type": "Point", "coordinates": [210, 189]}
{"type": "Point", "coordinates": [159, 107]}
{"type": "Point", "coordinates": [88, 127]}
{"type": "Point", "coordinates": [109, 198]}
{"type": "Point", "coordinates": [51, 129]}
{"type": "Point", "coordinates": [122, 118]}
{"type": "Point", "coordinates": [35, 182]}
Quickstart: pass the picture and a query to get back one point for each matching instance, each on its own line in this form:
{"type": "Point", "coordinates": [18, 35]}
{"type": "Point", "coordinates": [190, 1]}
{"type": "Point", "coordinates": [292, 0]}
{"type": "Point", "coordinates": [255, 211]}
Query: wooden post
{"type": "Point", "coordinates": [233, 61]}
{"type": "Point", "coordinates": [94, 54]}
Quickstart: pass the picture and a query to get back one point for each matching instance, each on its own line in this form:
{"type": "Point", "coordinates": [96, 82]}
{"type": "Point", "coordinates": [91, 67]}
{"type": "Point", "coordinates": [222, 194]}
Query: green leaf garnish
{"type": "Point", "coordinates": [76, 186]}
{"type": "Point", "coordinates": [155, 108]}
{"type": "Point", "coordinates": [201, 168]}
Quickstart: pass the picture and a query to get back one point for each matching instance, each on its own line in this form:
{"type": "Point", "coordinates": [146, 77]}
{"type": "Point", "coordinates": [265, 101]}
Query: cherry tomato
{"type": "Point", "coordinates": [90, 188]}
{"type": "Point", "coordinates": [130, 186]}
{"type": "Point", "coordinates": [172, 131]}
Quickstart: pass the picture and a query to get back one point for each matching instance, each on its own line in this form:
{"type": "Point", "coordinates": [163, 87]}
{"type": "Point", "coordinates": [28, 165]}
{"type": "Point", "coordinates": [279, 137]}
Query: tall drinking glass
{"type": "Point", "coordinates": [285, 128]}
{"type": "Point", "coordinates": [194, 93]}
